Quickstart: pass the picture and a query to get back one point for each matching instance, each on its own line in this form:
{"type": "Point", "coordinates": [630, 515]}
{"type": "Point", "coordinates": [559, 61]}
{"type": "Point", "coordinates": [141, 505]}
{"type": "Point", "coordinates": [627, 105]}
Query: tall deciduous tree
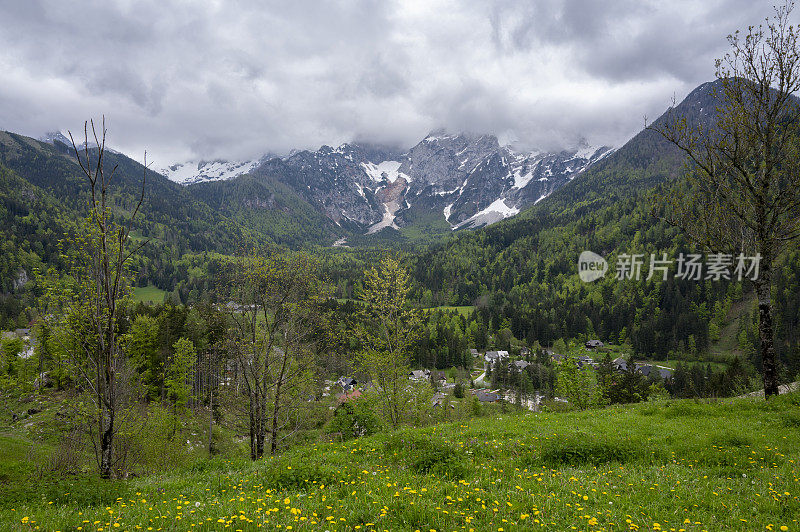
{"type": "Point", "coordinates": [276, 310]}
{"type": "Point", "coordinates": [388, 330]}
{"type": "Point", "coordinates": [743, 190]}
{"type": "Point", "coordinates": [143, 355]}
{"type": "Point", "coordinates": [177, 379]}
{"type": "Point", "coordinates": [90, 301]}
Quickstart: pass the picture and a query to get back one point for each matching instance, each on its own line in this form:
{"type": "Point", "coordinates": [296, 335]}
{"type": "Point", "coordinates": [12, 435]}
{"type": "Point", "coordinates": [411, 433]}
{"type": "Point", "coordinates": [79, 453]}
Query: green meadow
{"type": "Point", "coordinates": [676, 465]}
{"type": "Point", "coordinates": [148, 294]}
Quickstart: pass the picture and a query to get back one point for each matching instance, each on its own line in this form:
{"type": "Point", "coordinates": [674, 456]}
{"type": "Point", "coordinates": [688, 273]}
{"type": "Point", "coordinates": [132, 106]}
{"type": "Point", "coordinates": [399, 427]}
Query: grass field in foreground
{"type": "Point", "coordinates": [679, 465]}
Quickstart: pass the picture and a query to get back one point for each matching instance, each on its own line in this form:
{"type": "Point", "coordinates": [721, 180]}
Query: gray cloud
{"type": "Point", "coordinates": [236, 79]}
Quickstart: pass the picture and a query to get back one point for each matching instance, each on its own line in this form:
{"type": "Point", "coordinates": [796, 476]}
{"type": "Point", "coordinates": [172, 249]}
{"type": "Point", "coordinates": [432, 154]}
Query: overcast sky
{"type": "Point", "coordinates": [236, 79]}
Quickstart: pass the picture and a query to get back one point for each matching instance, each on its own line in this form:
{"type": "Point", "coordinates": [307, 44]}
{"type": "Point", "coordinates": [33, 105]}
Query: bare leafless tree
{"type": "Point", "coordinates": [88, 302]}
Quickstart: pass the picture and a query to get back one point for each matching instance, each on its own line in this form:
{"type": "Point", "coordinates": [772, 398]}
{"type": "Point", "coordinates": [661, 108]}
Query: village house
{"type": "Point", "coordinates": [438, 400]}
{"type": "Point", "coordinates": [593, 344]}
{"type": "Point", "coordinates": [439, 377]}
{"type": "Point", "coordinates": [494, 356]}
{"type": "Point", "coordinates": [419, 375]}
{"type": "Point", "coordinates": [485, 396]}
{"type": "Point", "coordinates": [520, 365]}
{"type": "Point", "coordinates": [620, 364]}
{"type": "Point", "coordinates": [647, 370]}
{"type": "Point", "coordinates": [347, 383]}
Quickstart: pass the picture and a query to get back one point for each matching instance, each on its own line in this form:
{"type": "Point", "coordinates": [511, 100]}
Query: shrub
{"type": "Point", "coordinates": [354, 419]}
{"type": "Point", "coordinates": [428, 456]}
{"type": "Point", "coordinates": [149, 442]}
{"type": "Point", "coordinates": [458, 390]}
{"type": "Point", "coordinates": [580, 450]}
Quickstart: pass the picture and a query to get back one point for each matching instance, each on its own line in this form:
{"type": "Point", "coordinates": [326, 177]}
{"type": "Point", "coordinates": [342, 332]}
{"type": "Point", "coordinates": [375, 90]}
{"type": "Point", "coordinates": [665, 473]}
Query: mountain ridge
{"type": "Point", "coordinates": [469, 180]}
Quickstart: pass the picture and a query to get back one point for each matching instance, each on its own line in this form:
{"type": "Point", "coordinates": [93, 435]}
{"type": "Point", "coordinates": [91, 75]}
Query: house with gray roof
{"type": "Point", "coordinates": [494, 356]}
{"type": "Point", "coordinates": [520, 364]}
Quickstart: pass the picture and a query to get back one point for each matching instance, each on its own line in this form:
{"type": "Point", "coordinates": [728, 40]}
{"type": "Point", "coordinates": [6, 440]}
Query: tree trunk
{"type": "Point", "coordinates": [106, 446]}
{"type": "Point", "coordinates": [253, 455]}
{"type": "Point", "coordinates": [210, 422]}
{"type": "Point", "coordinates": [765, 331]}
{"type": "Point", "coordinates": [261, 426]}
{"type": "Point", "coordinates": [260, 437]}
{"type": "Point", "coordinates": [273, 444]}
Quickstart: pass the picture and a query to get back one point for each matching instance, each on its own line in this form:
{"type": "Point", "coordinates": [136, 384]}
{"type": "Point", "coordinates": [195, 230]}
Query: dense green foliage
{"type": "Point", "coordinates": [522, 271]}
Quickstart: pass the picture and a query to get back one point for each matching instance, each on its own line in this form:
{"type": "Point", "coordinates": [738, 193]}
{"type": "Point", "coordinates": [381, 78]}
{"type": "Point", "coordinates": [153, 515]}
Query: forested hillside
{"type": "Point", "coordinates": [43, 195]}
{"type": "Point", "coordinates": [268, 208]}
{"type": "Point", "coordinates": [523, 271]}
{"type": "Point", "coordinates": [519, 274]}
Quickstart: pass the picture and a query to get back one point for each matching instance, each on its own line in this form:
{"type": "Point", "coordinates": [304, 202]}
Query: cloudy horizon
{"type": "Point", "coordinates": [236, 80]}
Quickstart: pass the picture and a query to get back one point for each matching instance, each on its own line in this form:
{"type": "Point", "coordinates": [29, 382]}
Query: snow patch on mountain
{"type": "Point", "coordinates": [591, 154]}
{"type": "Point", "coordinates": [385, 171]}
{"type": "Point", "coordinates": [192, 172]}
{"type": "Point", "coordinates": [389, 210]}
{"type": "Point", "coordinates": [52, 137]}
{"type": "Point", "coordinates": [360, 190]}
{"type": "Point", "coordinates": [495, 212]}
{"type": "Point", "coordinates": [521, 180]}
{"type": "Point", "coordinates": [447, 211]}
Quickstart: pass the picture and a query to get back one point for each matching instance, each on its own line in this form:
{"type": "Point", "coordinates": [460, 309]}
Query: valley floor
{"type": "Point", "coordinates": [678, 465]}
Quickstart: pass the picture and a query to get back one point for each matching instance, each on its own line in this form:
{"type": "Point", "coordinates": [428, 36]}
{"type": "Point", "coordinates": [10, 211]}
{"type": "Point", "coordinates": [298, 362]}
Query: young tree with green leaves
{"type": "Point", "coordinates": [177, 379]}
{"type": "Point", "coordinates": [142, 346]}
{"type": "Point", "coordinates": [387, 331]}
{"type": "Point", "coordinates": [10, 349]}
{"type": "Point", "coordinates": [276, 314]}
{"type": "Point", "coordinates": [577, 386]}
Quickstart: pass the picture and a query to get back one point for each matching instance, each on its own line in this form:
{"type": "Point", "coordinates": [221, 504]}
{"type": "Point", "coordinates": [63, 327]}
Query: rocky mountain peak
{"type": "Point", "coordinates": [467, 179]}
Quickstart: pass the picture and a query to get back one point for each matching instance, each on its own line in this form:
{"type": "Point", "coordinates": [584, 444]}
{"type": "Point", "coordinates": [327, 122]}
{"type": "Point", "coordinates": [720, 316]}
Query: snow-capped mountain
{"type": "Point", "coordinates": [200, 171]}
{"type": "Point", "coordinates": [52, 137]}
{"type": "Point", "coordinates": [518, 179]}
{"type": "Point", "coordinates": [469, 180]}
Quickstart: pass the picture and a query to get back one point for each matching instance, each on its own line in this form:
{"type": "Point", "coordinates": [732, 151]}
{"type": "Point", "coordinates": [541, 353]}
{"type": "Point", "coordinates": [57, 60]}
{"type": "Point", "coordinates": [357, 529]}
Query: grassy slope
{"type": "Point", "coordinates": [728, 345]}
{"type": "Point", "coordinates": [148, 294]}
{"type": "Point", "coordinates": [732, 465]}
